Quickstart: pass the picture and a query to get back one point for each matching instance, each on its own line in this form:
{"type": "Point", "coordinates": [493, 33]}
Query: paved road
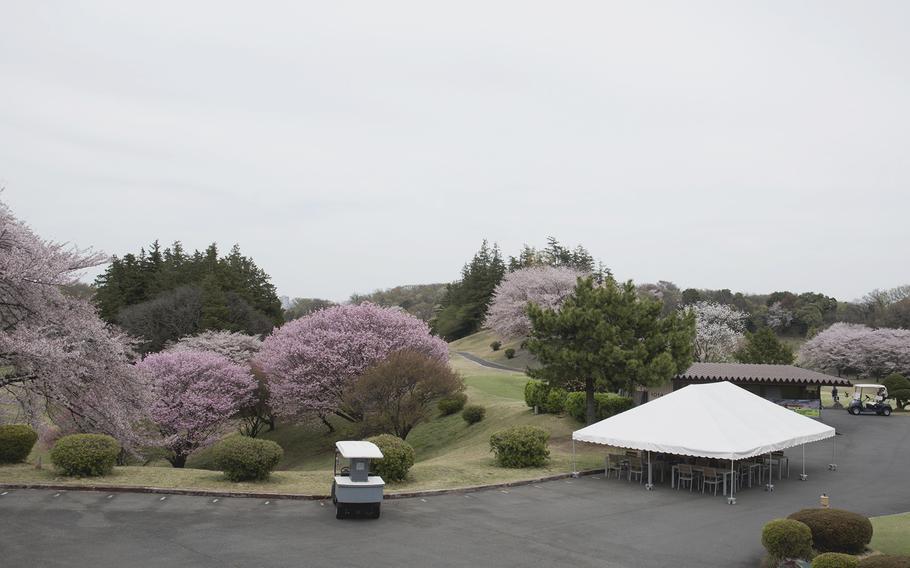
{"type": "Point", "coordinates": [485, 363]}
{"type": "Point", "coordinates": [579, 523]}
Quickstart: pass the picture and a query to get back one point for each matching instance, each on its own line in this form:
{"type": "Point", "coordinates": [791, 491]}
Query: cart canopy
{"type": "Point", "coordinates": [713, 420]}
{"type": "Point", "coordinates": [349, 449]}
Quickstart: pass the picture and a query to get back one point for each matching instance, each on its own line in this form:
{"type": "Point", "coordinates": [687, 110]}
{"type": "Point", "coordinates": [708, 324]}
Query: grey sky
{"type": "Point", "coordinates": [349, 146]}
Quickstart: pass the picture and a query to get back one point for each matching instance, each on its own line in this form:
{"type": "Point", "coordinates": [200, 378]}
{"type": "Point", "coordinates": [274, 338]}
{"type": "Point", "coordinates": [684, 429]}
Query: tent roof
{"type": "Point", "coordinates": [714, 420]}
{"type": "Point", "coordinates": [757, 373]}
{"type": "Point", "coordinates": [353, 449]}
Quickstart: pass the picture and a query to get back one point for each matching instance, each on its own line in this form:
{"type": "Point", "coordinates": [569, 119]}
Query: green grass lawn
{"type": "Point", "coordinates": [450, 453]}
{"type": "Point", "coordinates": [478, 345]}
{"type": "Point", "coordinates": [891, 534]}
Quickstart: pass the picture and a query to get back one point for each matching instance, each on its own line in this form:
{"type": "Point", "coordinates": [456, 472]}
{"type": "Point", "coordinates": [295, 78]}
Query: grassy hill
{"type": "Point", "coordinates": [449, 452]}
{"type": "Point", "coordinates": [478, 345]}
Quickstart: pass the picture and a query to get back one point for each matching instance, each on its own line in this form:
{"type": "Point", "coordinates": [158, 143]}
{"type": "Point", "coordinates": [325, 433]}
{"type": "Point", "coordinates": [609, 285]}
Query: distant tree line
{"type": "Point", "coordinates": [161, 295]}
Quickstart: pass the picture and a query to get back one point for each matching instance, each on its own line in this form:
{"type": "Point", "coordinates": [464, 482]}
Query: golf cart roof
{"type": "Point", "coordinates": [358, 450]}
{"type": "Point", "coordinates": [869, 386]}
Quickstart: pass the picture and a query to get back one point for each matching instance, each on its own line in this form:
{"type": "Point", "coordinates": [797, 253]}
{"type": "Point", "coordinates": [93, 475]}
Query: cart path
{"type": "Point", "coordinates": [582, 522]}
{"type": "Point", "coordinates": [485, 363]}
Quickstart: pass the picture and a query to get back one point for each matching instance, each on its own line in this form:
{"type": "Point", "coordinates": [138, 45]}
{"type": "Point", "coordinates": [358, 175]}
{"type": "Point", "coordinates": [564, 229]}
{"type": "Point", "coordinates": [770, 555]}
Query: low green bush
{"type": "Point", "coordinates": [473, 413]}
{"type": "Point", "coordinates": [397, 457]}
{"type": "Point", "coordinates": [85, 455]}
{"type": "Point", "coordinates": [521, 446]}
{"type": "Point", "coordinates": [16, 442]}
{"type": "Point", "coordinates": [555, 402]}
{"type": "Point", "coordinates": [786, 538]}
{"type": "Point", "coordinates": [452, 403]}
{"type": "Point", "coordinates": [885, 561]}
{"type": "Point", "coordinates": [496, 345]}
{"type": "Point", "coordinates": [536, 393]}
{"type": "Point", "coordinates": [606, 404]}
{"type": "Point", "coordinates": [510, 353]}
{"type": "Point", "coordinates": [836, 530]}
{"type": "Point", "coordinates": [835, 560]}
{"type": "Point", "coordinates": [242, 458]}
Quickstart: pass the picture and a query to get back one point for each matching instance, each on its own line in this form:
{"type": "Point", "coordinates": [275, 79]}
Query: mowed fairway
{"type": "Point", "coordinates": [450, 453]}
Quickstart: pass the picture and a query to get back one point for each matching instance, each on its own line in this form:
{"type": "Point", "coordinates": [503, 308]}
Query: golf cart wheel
{"type": "Point", "coordinates": [886, 411]}
{"type": "Point", "coordinates": [854, 410]}
{"type": "Point", "coordinates": [376, 511]}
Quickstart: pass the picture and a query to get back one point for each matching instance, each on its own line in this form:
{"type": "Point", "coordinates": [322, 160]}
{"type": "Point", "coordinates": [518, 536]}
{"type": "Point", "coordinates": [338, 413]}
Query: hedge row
{"type": "Point", "coordinates": [555, 400]}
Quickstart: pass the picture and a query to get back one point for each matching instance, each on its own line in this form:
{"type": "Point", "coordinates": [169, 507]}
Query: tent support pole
{"type": "Point", "coordinates": [650, 485]}
{"type": "Point", "coordinates": [770, 486]}
{"type": "Point", "coordinates": [574, 467]}
{"type": "Point", "coordinates": [803, 475]}
{"type": "Point", "coordinates": [833, 465]}
{"type": "Point", "coordinates": [731, 500]}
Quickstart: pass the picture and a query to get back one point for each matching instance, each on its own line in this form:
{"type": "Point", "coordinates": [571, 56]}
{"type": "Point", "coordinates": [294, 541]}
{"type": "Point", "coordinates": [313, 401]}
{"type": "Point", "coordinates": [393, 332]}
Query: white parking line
{"type": "Point", "coordinates": [4, 493]}
{"type": "Point", "coordinates": [267, 502]}
{"type": "Point", "coordinates": [162, 499]}
{"type": "Point", "coordinates": [214, 500]}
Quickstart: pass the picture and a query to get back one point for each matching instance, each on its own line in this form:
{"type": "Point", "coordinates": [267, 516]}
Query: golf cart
{"type": "Point", "coordinates": [354, 491]}
{"type": "Point", "coordinates": [869, 399]}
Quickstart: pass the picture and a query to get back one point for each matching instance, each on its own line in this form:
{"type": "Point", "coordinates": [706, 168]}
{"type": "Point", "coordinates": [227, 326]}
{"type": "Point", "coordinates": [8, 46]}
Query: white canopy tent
{"type": "Point", "coordinates": [714, 420]}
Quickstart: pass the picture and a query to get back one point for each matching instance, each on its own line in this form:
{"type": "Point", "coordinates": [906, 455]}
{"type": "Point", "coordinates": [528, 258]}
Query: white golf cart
{"type": "Point", "coordinates": [869, 399]}
{"type": "Point", "coordinates": [354, 491]}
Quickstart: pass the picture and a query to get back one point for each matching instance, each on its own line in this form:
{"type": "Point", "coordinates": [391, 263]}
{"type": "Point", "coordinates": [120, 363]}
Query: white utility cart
{"type": "Point", "coordinates": [354, 491]}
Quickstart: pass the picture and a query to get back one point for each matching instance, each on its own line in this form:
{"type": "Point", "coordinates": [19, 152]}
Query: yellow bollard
{"type": "Point", "coordinates": [823, 501]}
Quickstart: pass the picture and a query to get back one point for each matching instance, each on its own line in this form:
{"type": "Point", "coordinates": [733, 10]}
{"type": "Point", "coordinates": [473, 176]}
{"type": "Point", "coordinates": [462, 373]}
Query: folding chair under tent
{"type": "Point", "coordinates": [714, 420]}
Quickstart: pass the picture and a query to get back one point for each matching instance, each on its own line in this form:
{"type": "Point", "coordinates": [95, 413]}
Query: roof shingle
{"type": "Point", "coordinates": [755, 373]}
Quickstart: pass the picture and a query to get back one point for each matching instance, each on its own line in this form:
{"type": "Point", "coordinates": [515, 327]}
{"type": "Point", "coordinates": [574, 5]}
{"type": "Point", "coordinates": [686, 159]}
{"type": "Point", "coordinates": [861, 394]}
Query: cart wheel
{"type": "Point", "coordinates": [854, 410]}
{"type": "Point", "coordinates": [376, 511]}
{"type": "Point", "coordinates": [886, 412]}
{"type": "Point", "coordinates": [340, 511]}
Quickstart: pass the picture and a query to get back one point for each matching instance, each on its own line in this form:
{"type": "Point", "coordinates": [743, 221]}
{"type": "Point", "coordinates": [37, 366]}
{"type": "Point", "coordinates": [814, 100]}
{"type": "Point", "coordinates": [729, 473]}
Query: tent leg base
{"type": "Point", "coordinates": [731, 500]}
{"type": "Point", "coordinates": [832, 467]}
{"type": "Point", "coordinates": [803, 477]}
{"type": "Point", "coordinates": [769, 488]}
{"type": "Point", "coordinates": [576, 475]}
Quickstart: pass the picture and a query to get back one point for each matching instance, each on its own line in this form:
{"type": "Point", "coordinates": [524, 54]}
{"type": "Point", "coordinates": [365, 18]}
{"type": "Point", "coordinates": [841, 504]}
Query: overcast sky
{"type": "Point", "coordinates": [349, 146]}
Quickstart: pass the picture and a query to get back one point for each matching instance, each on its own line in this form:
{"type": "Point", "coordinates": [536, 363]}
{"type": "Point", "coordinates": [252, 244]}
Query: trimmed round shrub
{"type": "Point", "coordinates": [16, 442]}
{"type": "Point", "coordinates": [496, 345]}
{"type": "Point", "coordinates": [835, 560]}
{"type": "Point", "coordinates": [885, 561]}
{"type": "Point", "coordinates": [535, 393]}
{"type": "Point", "coordinates": [521, 446]}
{"type": "Point", "coordinates": [606, 404]}
{"type": "Point", "coordinates": [398, 457]}
{"type": "Point", "coordinates": [452, 403]}
{"type": "Point", "coordinates": [510, 353]}
{"type": "Point", "coordinates": [786, 538]}
{"type": "Point", "coordinates": [836, 530]}
{"type": "Point", "coordinates": [242, 458]}
{"type": "Point", "coordinates": [85, 455]}
{"type": "Point", "coordinates": [473, 413]}
{"type": "Point", "coordinates": [555, 402]}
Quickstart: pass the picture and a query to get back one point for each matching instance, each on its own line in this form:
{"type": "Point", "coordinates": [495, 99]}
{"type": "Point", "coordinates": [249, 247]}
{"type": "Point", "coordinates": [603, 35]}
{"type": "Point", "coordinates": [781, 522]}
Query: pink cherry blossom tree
{"type": "Point", "coordinates": [62, 361]}
{"type": "Point", "coordinates": [239, 348]}
{"type": "Point", "coordinates": [853, 349]}
{"type": "Point", "coordinates": [718, 330]}
{"type": "Point", "coordinates": [546, 286]}
{"type": "Point", "coordinates": [312, 362]}
{"type": "Point", "coordinates": [195, 394]}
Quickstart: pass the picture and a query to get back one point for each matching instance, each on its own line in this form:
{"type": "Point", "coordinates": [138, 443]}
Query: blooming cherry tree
{"type": "Point", "coordinates": [854, 349]}
{"type": "Point", "coordinates": [718, 330]}
{"type": "Point", "coordinates": [195, 394]}
{"type": "Point", "coordinates": [546, 286]}
{"type": "Point", "coordinates": [238, 347]}
{"type": "Point", "coordinates": [62, 361]}
{"type": "Point", "coordinates": [313, 361]}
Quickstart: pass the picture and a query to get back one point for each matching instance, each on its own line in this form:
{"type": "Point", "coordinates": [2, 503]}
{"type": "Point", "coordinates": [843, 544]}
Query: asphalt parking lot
{"type": "Point", "coordinates": [582, 522]}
